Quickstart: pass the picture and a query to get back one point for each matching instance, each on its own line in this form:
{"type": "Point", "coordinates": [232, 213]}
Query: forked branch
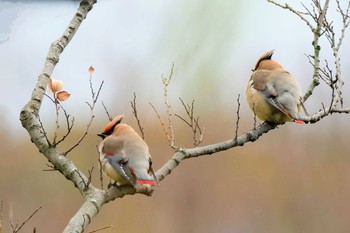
{"type": "Point", "coordinates": [320, 26]}
{"type": "Point", "coordinates": [192, 122]}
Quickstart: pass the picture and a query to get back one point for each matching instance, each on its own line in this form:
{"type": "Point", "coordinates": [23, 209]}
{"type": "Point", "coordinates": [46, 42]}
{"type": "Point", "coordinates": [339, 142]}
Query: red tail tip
{"type": "Point", "coordinates": [153, 183]}
{"type": "Point", "coordinates": [299, 122]}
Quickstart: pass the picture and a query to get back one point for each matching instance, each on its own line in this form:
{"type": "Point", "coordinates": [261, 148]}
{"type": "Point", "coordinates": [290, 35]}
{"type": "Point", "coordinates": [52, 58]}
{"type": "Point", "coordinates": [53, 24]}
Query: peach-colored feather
{"type": "Point", "coordinates": [112, 124]}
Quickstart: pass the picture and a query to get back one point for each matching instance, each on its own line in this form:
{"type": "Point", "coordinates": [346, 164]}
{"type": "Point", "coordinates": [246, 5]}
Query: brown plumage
{"type": "Point", "coordinates": [124, 156]}
{"type": "Point", "coordinates": [273, 93]}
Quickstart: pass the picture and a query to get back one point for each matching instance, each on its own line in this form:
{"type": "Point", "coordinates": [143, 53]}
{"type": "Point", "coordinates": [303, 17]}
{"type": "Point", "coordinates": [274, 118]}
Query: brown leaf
{"type": "Point", "coordinates": [62, 95]}
{"type": "Point", "coordinates": [55, 85]}
{"type": "Point", "coordinates": [91, 70]}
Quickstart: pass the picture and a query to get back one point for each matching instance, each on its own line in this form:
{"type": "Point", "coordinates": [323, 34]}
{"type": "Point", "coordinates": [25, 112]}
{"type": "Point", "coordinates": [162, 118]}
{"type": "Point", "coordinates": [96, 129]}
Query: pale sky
{"type": "Point", "coordinates": [214, 46]}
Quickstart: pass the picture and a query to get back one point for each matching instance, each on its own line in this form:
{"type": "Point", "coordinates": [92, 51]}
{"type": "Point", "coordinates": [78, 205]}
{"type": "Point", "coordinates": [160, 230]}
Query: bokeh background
{"type": "Point", "coordinates": [293, 179]}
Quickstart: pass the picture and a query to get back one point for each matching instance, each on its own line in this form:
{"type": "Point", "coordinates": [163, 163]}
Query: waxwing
{"type": "Point", "coordinates": [273, 94]}
{"type": "Point", "coordinates": [124, 156]}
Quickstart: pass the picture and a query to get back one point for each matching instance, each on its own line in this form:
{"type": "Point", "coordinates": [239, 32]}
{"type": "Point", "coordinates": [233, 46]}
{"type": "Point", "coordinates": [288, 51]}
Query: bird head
{"type": "Point", "coordinates": [110, 126]}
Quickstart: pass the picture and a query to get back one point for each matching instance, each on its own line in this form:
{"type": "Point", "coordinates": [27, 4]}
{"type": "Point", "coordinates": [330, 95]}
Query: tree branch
{"type": "Point", "coordinates": [29, 117]}
{"type": "Point", "coordinates": [17, 228]}
{"type": "Point", "coordinates": [183, 153]}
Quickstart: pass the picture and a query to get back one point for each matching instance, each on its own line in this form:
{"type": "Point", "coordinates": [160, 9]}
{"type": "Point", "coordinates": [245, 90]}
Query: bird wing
{"type": "Point", "coordinates": [260, 83]}
{"type": "Point", "coordinates": [115, 154]}
{"type": "Point", "coordinates": [121, 166]}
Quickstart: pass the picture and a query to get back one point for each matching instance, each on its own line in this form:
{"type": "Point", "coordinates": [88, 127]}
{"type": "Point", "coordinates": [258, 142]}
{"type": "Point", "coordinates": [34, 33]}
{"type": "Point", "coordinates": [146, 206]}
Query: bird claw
{"type": "Point", "coordinates": [111, 184]}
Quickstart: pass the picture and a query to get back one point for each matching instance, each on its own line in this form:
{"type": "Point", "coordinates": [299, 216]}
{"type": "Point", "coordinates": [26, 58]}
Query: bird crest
{"type": "Point", "coordinates": [260, 64]}
{"type": "Point", "coordinates": [111, 125]}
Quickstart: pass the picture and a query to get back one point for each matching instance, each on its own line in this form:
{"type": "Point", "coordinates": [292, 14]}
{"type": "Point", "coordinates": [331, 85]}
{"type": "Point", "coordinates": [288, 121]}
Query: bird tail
{"type": "Point", "coordinates": [146, 178]}
{"type": "Point", "coordinates": [150, 182]}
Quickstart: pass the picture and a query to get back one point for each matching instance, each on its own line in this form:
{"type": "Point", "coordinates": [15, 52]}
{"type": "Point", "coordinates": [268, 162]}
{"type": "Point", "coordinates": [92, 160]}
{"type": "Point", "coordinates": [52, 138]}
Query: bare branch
{"type": "Point", "coordinates": [108, 115]}
{"type": "Point", "coordinates": [85, 181]}
{"type": "Point", "coordinates": [1, 228]}
{"type": "Point", "coordinates": [183, 153]}
{"type": "Point", "coordinates": [16, 229]}
{"type": "Point", "coordinates": [298, 13]}
{"type": "Point", "coordinates": [255, 121]}
{"type": "Point", "coordinates": [166, 82]}
{"type": "Point", "coordinates": [43, 131]}
{"type": "Point", "coordinates": [90, 176]}
{"type": "Point", "coordinates": [170, 131]}
{"type": "Point", "coordinates": [29, 118]}
{"type": "Point", "coordinates": [318, 16]}
{"type": "Point", "coordinates": [346, 21]}
{"type": "Point", "coordinates": [134, 111]}
{"type": "Point", "coordinates": [57, 123]}
{"type": "Point", "coordinates": [92, 116]}
{"type": "Point", "coordinates": [102, 228]}
{"type": "Point", "coordinates": [51, 168]}
{"type": "Point", "coordinates": [237, 121]}
{"type": "Point", "coordinates": [69, 125]}
{"type": "Point", "coordinates": [100, 167]}
{"type": "Point", "coordinates": [323, 113]}
{"type": "Point", "coordinates": [171, 139]}
{"type": "Point", "coordinates": [193, 122]}
{"type": "Point", "coordinates": [320, 19]}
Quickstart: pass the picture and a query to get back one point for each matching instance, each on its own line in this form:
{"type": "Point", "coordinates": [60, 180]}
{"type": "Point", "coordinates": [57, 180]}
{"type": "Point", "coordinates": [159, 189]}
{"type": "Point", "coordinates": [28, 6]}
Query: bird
{"type": "Point", "coordinates": [273, 94]}
{"type": "Point", "coordinates": [125, 156]}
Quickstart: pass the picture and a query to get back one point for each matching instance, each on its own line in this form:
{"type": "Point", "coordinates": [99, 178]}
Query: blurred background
{"type": "Point", "coordinates": [293, 179]}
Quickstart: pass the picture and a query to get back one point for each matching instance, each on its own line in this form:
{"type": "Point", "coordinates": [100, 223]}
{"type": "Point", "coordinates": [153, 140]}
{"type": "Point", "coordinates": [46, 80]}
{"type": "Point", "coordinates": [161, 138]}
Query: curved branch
{"type": "Point", "coordinates": [29, 115]}
{"type": "Point", "coordinates": [183, 153]}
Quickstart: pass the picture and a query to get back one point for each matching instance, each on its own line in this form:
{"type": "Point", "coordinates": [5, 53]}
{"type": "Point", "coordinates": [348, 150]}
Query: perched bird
{"type": "Point", "coordinates": [273, 94]}
{"type": "Point", "coordinates": [124, 156]}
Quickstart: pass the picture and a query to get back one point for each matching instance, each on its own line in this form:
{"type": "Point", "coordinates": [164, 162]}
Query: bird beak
{"type": "Point", "coordinates": [102, 135]}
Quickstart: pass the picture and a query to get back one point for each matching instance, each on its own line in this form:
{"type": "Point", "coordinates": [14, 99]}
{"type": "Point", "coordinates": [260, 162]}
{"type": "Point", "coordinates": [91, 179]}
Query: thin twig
{"type": "Point", "coordinates": [255, 121]}
{"type": "Point", "coordinates": [102, 228]}
{"type": "Point", "coordinates": [162, 123]}
{"type": "Point", "coordinates": [16, 229]}
{"type": "Point", "coordinates": [68, 124]}
{"type": "Point", "coordinates": [58, 106]}
{"type": "Point", "coordinates": [43, 131]}
{"type": "Point", "coordinates": [170, 131]}
{"type": "Point", "coordinates": [51, 168]}
{"type": "Point", "coordinates": [92, 116]}
{"type": "Point", "coordinates": [57, 123]}
{"type": "Point", "coordinates": [299, 14]}
{"type": "Point", "coordinates": [108, 115]}
{"type": "Point", "coordinates": [134, 111]}
{"type": "Point", "coordinates": [1, 228]}
{"type": "Point", "coordinates": [86, 184]}
{"type": "Point", "coordinates": [238, 117]}
{"type": "Point", "coordinates": [100, 167]}
{"type": "Point", "coordinates": [90, 176]}
{"type": "Point", "coordinates": [193, 122]}
{"type": "Point", "coordinates": [318, 15]}
{"type": "Point", "coordinates": [166, 82]}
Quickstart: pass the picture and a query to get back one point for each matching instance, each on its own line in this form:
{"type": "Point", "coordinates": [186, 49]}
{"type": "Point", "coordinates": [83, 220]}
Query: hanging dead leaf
{"type": "Point", "coordinates": [91, 70]}
{"type": "Point", "coordinates": [55, 85]}
{"type": "Point", "coordinates": [62, 95]}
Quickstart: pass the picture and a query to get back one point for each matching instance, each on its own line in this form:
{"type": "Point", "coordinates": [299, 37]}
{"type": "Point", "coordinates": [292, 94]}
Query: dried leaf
{"type": "Point", "coordinates": [91, 70]}
{"type": "Point", "coordinates": [62, 95]}
{"type": "Point", "coordinates": [55, 85]}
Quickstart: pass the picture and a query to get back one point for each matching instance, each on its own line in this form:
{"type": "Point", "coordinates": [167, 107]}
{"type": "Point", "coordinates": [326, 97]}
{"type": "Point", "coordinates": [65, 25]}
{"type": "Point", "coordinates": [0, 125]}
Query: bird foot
{"type": "Point", "coordinates": [111, 184]}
